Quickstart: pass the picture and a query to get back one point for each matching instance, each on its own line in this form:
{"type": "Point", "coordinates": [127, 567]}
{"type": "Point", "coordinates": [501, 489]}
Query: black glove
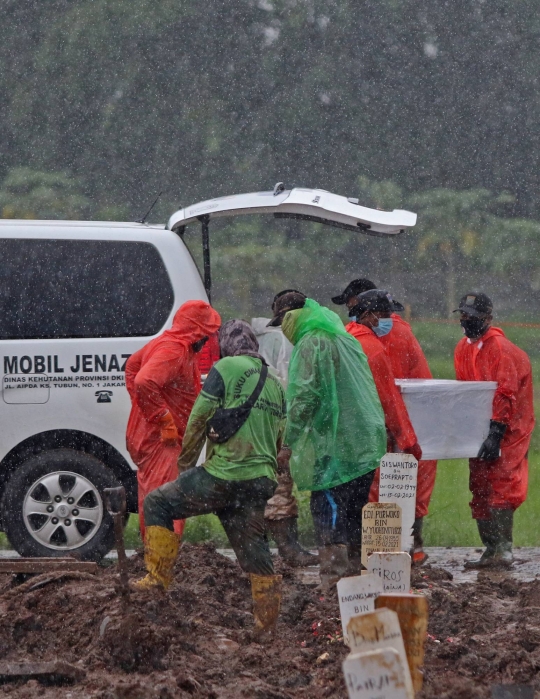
{"type": "Point", "coordinates": [489, 451]}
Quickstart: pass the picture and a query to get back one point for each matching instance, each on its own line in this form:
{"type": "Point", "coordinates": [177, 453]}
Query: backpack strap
{"type": "Point", "coordinates": [248, 405]}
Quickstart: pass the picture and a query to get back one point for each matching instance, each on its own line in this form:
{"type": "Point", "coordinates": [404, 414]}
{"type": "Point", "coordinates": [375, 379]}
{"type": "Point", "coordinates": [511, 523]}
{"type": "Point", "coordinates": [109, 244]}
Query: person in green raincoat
{"type": "Point", "coordinates": [335, 428]}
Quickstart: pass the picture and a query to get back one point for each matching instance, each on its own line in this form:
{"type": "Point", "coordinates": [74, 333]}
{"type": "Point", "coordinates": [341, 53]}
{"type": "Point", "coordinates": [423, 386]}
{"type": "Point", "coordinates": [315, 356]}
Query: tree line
{"type": "Point", "coordinates": [205, 99]}
{"type": "Point", "coordinates": [463, 240]}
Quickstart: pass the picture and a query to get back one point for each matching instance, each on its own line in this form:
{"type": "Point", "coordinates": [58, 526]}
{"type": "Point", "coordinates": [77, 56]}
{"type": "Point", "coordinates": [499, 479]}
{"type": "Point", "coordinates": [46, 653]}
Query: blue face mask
{"type": "Point", "coordinates": [353, 318]}
{"type": "Point", "coordinates": [384, 327]}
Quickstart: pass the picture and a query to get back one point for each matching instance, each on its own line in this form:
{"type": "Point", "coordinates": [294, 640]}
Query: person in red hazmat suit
{"type": "Point", "coordinates": [401, 434]}
{"type": "Point", "coordinates": [398, 424]}
{"type": "Point", "coordinates": [408, 362]}
{"type": "Point", "coordinates": [163, 381]}
{"type": "Point", "coordinates": [499, 475]}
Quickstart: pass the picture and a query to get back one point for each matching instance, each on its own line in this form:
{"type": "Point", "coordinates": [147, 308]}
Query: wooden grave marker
{"type": "Point", "coordinates": [379, 630]}
{"type": "Point", "coordinates": [377, 674]}
{"type": "Point", "coordinates": [412, 611]}
{"type": "Point", "coordinates": [398, 477]}
{"type": "Point", "coordinates": [357, 595]}
{"type": "Point", "coordinates": [394, 570]}
{"type": "Point", "coordinates": [381, 528]}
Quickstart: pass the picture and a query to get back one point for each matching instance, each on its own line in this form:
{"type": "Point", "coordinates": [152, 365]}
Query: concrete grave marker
{"type": "Point", "coordinates": [412, 611]}
{"type": "Point", "coordinates": [381, 528]}
{"type": "Point", "coordinates": [377, 674]}
{"type": "Point", "coordinates": [357, 595]}
{"type": "Point", "coordinates": [398, 476]}
{"type": "Point", "coordinates": [379, 630]}
{"type": "Point", "coordinates": [394, 570]}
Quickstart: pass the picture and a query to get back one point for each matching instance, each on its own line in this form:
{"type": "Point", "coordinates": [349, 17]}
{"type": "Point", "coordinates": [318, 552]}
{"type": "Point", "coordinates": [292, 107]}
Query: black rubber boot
{"type": "Point", "coordinates": [503, 525]}
{"type": "Point", "coordinates": [285, 534]}
{"type": "Point", "coordinates": [418, 555]}
{"type": "Point", "coordinates": [354, 554]}
{"type": "Point", "coordinates": [486, 529]}
{"type": "Point", "coordinates": [334, 563]}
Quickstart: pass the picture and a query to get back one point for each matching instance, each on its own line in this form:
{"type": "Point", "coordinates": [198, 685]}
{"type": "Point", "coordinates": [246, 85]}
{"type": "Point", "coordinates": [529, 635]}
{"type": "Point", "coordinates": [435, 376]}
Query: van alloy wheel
{"type": "Point", "coordinates": [62, 510]}
{"type": "Point", "coordinates": [53, 505]}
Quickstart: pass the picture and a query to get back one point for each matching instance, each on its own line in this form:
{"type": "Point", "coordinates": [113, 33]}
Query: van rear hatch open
{"type": "Point", "coordinates": [306, 204]}
{"type": "Point", "coordinates": [315, 205]}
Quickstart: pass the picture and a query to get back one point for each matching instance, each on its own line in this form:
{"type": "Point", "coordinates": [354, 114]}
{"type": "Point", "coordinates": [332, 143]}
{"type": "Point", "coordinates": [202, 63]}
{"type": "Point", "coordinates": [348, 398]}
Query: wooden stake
{"type": "Point", "coordinates": [412, 611]}
{"type": "Point", "coordinates": [46, 565]}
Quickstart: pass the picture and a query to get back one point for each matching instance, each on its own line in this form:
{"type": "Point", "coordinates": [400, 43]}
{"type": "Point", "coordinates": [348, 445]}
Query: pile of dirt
{"type": "Point", "coordinates": [196, 640]}
{"type": "Point", "coordinates": [480, 634]}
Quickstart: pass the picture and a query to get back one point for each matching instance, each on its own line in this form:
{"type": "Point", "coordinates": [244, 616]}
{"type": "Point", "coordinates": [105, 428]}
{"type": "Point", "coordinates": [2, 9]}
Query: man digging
{"type": "Point", "coordinates": [238, 476]}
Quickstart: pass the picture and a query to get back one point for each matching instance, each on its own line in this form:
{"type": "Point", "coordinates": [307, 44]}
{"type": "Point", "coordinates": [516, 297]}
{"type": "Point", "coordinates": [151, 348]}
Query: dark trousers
{"type": "Point", "coordinates": [337, 512]}
{"type": "Point", "coordinates": [238, 504]}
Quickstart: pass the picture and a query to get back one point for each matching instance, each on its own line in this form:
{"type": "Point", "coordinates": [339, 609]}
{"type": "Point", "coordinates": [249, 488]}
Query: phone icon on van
{"type": "Point", "coordinates": [104, 396]}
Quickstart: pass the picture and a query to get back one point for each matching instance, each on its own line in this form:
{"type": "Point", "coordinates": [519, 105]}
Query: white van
{"type": "Point", "coordinates": [76, 300]}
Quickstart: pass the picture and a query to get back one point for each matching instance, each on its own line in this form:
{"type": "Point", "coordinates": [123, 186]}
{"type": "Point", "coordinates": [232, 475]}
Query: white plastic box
{"type": "Point", "coordinates": [450, 418]}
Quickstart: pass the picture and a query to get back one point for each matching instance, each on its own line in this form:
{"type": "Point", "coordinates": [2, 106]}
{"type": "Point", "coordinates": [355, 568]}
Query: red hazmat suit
{"type": "Point", "coordinates": [395, 413]}
{"type": "Point", "coordinates": [163, 379]}
{"type": "Point", "coordinates": [404, 351]}
{"type": "Point", "coordinates": [209, 354]}
{"type": "Point", "coordinates": [500, 484]}
{"type": "Point", "coordinates": [408, 362]}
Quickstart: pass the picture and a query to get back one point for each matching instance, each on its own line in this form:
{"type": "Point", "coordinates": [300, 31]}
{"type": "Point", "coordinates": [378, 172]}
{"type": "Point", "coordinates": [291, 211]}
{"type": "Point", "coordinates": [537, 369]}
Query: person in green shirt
{"type": "Point", "coordinates": [237, 478]}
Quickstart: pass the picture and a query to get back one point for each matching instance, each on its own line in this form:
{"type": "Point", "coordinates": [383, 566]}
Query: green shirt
{"type": "Point", "coordinates": [252, 451]}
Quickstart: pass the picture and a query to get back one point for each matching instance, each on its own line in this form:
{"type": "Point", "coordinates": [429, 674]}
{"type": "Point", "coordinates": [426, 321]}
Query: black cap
{"type": "Point", "coordinates": [373, 300]}
{"type": "Point", "coordinates": [475, 304]}
{"type": "Point", "coordinates": [357, 286]}
{"type": "Point", "coordinates": [284, 302]}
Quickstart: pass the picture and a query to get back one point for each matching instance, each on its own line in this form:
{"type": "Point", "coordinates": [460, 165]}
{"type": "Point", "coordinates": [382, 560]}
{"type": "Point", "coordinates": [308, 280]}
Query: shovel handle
{"type": "Point", "coordinates": [115, 500]}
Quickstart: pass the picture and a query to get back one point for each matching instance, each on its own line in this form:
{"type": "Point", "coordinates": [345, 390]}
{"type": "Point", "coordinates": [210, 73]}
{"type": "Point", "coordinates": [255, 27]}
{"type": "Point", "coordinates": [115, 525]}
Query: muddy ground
{"type": "Point", "coordinates": [196, 640]}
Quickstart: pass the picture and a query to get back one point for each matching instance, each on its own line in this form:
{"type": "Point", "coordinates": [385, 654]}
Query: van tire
{"type": "Point", "coordinates": [25, 482]}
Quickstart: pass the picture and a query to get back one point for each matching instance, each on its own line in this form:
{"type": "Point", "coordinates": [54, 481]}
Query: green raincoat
{"type": "Point", "coordinates": [335, 424]}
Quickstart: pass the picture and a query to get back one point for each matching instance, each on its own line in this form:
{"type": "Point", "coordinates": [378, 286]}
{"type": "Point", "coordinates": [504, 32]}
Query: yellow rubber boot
{"type": "Point", "coordinates": [160, 551]}
{"type": "Point", "coordinates": [266, 594]}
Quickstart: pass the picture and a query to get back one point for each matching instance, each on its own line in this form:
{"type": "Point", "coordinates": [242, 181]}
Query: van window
{"type": "Point", "coordinates": [81, 288]}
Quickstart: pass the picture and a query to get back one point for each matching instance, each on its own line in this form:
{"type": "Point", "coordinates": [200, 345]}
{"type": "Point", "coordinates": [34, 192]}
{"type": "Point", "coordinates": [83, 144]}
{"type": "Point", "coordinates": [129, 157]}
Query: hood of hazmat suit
{"type": "Point", "coordinates": [163, 377]}
{"type": "Point", "coordinates": [335, 424]}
